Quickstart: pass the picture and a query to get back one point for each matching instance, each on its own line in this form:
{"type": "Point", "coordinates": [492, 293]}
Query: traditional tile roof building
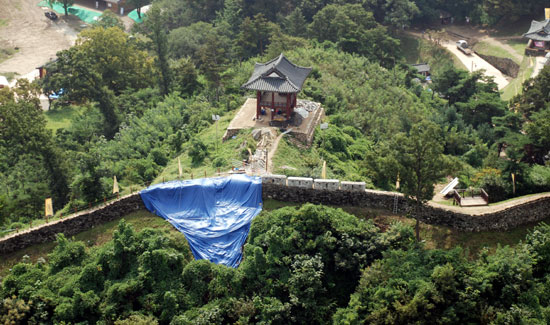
{"type": "Point", "coordinates": [539, 37]}
{"type": "Point", "coordinates": [422, 68]}
{"type": "Point", "coordinates": [277, 83]}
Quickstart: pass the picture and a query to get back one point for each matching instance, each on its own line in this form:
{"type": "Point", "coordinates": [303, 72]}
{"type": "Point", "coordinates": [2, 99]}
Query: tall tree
{"type": "Point", "coordinates": [295, 24]}
{"type": "Point", "coordinates": [355, 30]}
{"type": "Point", "coordinates": [66, 5]}
{"type": "Point", "coordinates": [29, 158]}
{"type": "Point", "coordinates": [159, 43]}
{"type": "Point", "coordinates": [254, 36]}
{"type": "Point", "coordinates": [419, 157]}
{"type": "Point", "coordinates": [213, 62]}
{"type": "Point", "coordinates": [232, 14]}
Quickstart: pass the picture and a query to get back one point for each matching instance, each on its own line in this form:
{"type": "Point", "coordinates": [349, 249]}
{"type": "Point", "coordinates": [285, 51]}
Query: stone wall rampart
{"type": "Point", "coordinates": [327, 192]}
{"type": "Point", "coordinates": [71, 225]}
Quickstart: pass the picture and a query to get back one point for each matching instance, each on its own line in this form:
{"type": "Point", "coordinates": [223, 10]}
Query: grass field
{"type": "Point", "coordinates": [60, 117]}
{"type": "Point", "coordinates": [493, 50]}
{"type": "Point", "coordinates": [518, 45]}
{"type": "Point", "coordinates": [514, 87]}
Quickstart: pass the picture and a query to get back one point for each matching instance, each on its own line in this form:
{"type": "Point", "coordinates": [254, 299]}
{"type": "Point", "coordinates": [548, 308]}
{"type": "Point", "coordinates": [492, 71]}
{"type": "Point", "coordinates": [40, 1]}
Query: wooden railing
{"type": "Point", "coordinates": [276, 104]}
{"type": "Point", "coordinates": [485, 196]}
{"type": "Point", "coordinates": [458, 194]}
{"type": "Point", "coordinates": [457, 197]}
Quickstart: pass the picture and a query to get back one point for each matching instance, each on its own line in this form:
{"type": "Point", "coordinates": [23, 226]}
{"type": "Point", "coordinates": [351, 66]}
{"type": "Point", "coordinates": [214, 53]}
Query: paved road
{"type": "Point", "coordinates": [474, 62]}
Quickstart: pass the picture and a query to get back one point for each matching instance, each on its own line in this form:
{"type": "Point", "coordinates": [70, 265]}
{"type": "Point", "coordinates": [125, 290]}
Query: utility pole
{"type": "Point", "coordinates": [216, 118]}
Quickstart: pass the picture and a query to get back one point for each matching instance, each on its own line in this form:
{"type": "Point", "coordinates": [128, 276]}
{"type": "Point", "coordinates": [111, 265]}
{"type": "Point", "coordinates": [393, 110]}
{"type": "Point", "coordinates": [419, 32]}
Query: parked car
{"type": "Point", "coordinates": [51, 15]}
{"type": "Point", "coordinates": [463, 46]}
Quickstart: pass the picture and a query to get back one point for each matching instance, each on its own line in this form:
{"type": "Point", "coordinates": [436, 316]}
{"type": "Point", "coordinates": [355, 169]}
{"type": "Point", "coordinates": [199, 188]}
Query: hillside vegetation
{"type": "Point", "coordinates": [134, 102]}
{"type": "Point", "coordinates": [312, 264]}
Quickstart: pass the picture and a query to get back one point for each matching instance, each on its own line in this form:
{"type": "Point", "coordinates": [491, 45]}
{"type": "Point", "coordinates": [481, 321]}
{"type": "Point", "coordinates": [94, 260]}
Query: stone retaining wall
{"type": "Point", "coordinates": [354, 194]}
{"type": "Point", "coordinates": [328, 192]}
{"type": "Point", "coordinates": [71, 225]}
{"type": "Point", "coordinates": [504, 65]}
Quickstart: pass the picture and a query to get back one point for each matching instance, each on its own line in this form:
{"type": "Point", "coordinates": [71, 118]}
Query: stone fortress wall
{"type": "Point", "coordinates": [302, 190]}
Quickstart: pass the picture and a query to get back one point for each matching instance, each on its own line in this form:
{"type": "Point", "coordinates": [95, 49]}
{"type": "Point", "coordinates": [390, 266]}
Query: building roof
{"type": "Point", "coordinates": [421, 67]}
{"type": "Point", "coordinates": [539, 30]}
{"type": "Point", "coordinates": [278, 75]}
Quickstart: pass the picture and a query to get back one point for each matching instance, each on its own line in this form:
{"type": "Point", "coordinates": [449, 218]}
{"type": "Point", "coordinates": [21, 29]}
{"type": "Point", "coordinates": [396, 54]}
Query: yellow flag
{"type": "Point", "coordinates": [324, 172]}
{"type": "Point", "coordinates": [179, 168]}
{"type": "Point", "coordinates": [115, 185]}
{"type": "Point", "coordinates": [547, 13]}
{"type": "Point", "coordinates": [48, 207]}
{"type": "Point", "coordinates": [397, 182]}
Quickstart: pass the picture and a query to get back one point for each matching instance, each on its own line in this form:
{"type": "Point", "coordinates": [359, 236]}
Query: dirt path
{"type": "Point", "coordinates": [272, 152]}
{"type": "Point", "coordinates": [37, 37]}
{"type": "Point", "coordinates": [474, 62]}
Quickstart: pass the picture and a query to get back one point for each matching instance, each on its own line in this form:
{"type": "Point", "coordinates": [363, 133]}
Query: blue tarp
{"type": "Point", "coordinates": [214, 214]}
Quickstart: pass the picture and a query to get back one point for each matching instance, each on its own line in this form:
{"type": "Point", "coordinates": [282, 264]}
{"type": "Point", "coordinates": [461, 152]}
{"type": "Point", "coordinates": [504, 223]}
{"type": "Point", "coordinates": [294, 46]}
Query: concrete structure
{"type": "Point", "coordinates": [326, 184]}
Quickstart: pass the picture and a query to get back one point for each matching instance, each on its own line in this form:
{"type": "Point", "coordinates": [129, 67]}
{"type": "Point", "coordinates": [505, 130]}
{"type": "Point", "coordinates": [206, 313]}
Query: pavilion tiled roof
{"type": "Point", "coordinates": [278, 75]}
{"type": "Point", "coordinates": [539, 30]}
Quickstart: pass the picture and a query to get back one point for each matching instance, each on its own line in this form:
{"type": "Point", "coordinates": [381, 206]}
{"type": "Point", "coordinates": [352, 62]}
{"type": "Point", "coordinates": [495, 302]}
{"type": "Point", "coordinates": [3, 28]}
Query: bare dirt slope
{"type": "Point", "coordinates": [37, 37]}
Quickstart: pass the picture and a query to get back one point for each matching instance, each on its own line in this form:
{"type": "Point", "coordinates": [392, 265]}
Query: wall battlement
{"type": "Point", "coordinates": [303, 190]}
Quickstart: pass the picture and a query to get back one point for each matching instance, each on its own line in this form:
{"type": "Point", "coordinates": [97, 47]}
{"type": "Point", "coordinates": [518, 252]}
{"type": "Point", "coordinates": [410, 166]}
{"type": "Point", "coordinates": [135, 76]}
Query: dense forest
{"type": "Point", "coordinates": [312, 265]}
{"type": "Point", "coordinates": [144, 96]}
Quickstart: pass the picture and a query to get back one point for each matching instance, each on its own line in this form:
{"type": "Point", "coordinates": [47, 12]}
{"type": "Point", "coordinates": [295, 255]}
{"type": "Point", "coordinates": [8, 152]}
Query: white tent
{"type": "Point", "coordinates": [4, 82]}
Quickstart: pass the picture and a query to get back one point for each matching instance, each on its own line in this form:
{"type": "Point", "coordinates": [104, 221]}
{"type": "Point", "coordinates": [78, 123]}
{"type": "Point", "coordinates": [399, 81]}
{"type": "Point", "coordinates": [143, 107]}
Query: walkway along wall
{"type": "Point", "coordinates": [274, 187]}
{"type": "Point", "coordinates": [303, 190]}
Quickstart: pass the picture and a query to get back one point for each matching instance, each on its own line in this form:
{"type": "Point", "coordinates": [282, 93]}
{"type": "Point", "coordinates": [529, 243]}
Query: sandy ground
{"type": "Point", "coordinates": [474, 62]}
{"type": "Point", "coordinates": [37, 37]}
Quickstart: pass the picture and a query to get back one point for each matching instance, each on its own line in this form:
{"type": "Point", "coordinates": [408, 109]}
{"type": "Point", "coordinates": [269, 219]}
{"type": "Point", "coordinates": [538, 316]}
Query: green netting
{"type": "Point", "coordinates": [134, 16]}
{"type": "Point", "coordinates": [82, 13]}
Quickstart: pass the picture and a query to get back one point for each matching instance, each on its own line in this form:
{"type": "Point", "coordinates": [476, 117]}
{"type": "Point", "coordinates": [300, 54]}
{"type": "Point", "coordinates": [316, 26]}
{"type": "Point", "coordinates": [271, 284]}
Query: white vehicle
{"type": "Point", "coordinates": [463, 46]}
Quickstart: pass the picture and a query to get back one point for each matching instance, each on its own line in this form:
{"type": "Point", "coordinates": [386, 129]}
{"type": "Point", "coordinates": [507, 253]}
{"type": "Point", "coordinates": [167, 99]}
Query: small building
{"type": "Point", "coordinates": [539, 37]}
{"type": "Point", "coordinates": [422, 68]}
{"type": "Point", "coordinates": [277, 84]}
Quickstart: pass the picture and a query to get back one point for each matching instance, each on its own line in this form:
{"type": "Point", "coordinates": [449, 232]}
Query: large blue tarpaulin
{"type": "Point", "coordinates": [214, 214]}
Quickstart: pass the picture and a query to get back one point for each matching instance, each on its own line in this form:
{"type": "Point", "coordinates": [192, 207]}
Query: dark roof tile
{"type": "Point", "coordinates": [277, 75]}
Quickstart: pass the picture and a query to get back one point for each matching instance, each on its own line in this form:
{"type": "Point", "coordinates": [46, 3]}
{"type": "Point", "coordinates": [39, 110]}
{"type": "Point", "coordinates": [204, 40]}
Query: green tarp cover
{"type": "Point", "coordinates": [134, 16]}
{"type": "Point", "coordinates": [84, 14]}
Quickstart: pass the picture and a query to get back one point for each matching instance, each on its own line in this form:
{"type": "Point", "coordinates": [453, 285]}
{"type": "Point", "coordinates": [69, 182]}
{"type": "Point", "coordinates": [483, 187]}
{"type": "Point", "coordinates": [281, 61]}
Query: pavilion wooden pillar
{"type": "Point", "coordinates": [258, 100]}
{"type": "Point", "coordinates": [287, 107]}
{"type": "Point", "coordinates": [273, 100]}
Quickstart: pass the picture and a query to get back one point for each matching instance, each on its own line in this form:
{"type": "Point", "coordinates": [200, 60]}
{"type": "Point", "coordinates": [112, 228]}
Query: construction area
{"type": "Point", "coordinates": [307, 115]}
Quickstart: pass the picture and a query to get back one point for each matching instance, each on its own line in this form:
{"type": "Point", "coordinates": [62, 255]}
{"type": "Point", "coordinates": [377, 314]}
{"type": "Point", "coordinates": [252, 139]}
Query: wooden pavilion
{"type": "Point", "coordinates": [539, 38]}
{"type": "Point", "coordinates": [277, 84]}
